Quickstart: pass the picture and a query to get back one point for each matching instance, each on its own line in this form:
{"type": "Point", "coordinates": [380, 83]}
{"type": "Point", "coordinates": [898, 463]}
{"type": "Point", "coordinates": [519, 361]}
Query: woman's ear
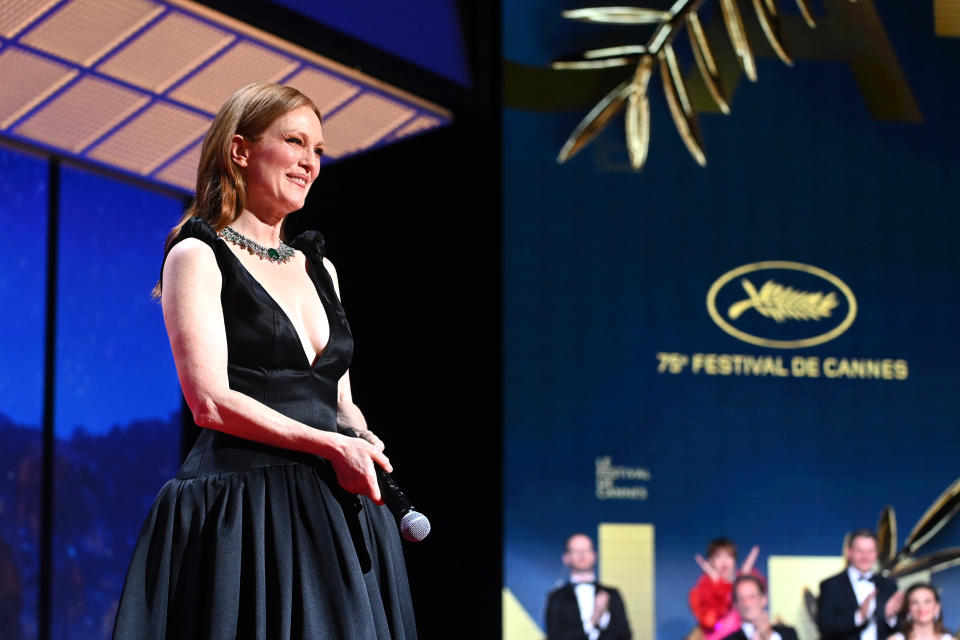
{"type": "Point", "coordinates": [239, 150]}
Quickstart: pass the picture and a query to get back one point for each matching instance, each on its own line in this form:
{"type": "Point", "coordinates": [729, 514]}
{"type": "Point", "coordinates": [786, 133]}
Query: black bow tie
{"type": "Point", "coordinates": [865, 576]}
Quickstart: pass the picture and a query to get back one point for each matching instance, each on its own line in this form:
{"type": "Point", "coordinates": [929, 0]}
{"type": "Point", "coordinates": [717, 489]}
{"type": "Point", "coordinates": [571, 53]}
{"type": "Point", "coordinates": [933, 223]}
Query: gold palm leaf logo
{"type": "Point", "coordinates": [782, 303]}
{"type": "Point", "coordinates": [818, 312]}
{"type": "Point", "coordinates": [632, 92]}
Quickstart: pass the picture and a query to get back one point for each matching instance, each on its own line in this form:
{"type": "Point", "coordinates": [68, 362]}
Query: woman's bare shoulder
{"type": "Point", "coordinates": [190, 259]}
{"type": "Point", "coordinates": [190, 249]}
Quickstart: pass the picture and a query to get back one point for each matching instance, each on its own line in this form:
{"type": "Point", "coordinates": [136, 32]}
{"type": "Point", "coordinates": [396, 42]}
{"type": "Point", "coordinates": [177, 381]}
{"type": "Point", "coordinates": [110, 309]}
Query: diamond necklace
{"type": "Point", "coordinates": [281, 254]}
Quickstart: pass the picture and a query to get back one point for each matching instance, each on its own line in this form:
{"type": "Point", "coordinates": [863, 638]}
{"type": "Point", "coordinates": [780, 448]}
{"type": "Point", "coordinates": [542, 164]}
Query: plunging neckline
{"type": "Point", "coordinates": [326, 312]}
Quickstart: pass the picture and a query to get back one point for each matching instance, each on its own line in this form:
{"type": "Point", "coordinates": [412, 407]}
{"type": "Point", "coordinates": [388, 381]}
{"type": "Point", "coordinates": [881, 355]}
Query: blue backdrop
{"type": "Point", "coordinates": [845, 162]}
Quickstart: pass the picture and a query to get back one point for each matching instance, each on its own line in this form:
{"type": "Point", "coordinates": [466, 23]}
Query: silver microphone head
{"type": "Point", "coordinates": [414, 526]}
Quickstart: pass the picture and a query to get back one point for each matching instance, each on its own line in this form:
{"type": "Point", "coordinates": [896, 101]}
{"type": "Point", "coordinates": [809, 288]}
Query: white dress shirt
{"type": "Point", "coordinates": [586, 593]}
{"type": "Point", "coordinates": [749, 630]}
{"type": "Point", "coordinates": [863, 587]}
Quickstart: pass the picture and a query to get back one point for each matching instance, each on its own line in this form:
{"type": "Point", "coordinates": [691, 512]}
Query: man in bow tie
{"type": "Point", "coordinates": [858, 604]}
{"type": "Point", "coordinates": [582, 609]}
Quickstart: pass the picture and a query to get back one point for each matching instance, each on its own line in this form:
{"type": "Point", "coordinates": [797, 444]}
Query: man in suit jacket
{"type": "Point", "coordinates": [750, 599]}
{"type": "Point", "coordinates": [858, 604]}
{"type": "Point", "coordinates": [582, 609]}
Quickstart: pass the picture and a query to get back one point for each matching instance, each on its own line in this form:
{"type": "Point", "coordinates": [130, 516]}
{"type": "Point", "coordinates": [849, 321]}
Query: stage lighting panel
{"type": "Point", "coordinates": [330, 91]}
{"type": "Point", "coordinates": [15, 15]}
{"type": "Point", "coordinates": [182, 170]}
{"type": "Point", "coordinates": [143, 143]}
{"type": "Point", "coordinates": [166, 52]}
{"type": "Point", "coordinates": [239, 65]}
{"type": "Point", "coordinates": [363, 121]}
{"type": "Point", "coordinates": [133, 84]}
{"type": "Point", "coordinates": [84, 31]}
{"type": "Point", "coordinates": [81, 113]}
{"type": "Point", "coordinates": [27, 79]}
{"type": "Point", "coordinates": [421, 123]}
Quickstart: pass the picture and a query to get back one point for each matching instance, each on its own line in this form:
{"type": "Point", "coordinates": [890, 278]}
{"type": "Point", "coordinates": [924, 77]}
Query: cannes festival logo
{"type": "Point", "coordinates": [781, 304]}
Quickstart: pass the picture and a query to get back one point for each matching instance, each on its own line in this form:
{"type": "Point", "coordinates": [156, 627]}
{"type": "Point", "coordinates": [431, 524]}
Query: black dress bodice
{"type": "Point", "coordinates": [265, 358]}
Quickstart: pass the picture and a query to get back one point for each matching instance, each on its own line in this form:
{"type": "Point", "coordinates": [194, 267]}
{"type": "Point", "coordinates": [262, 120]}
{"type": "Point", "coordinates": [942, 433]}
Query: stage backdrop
{"type": "Point", "coordinates": [762, 348]}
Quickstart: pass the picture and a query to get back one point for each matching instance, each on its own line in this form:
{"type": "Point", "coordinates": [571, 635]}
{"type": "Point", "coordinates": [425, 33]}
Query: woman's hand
{"type": "Point", "coordinates": [706, 567]}
{"type": "Point", "coordinates": [353, 461]}
{"type": "Point", "coordinates": [372, 438]}
{"type": "Point", "coordinates": [750, 561]}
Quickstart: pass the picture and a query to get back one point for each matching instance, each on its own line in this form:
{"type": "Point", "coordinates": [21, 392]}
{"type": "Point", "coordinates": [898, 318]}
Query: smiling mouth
{"type": "Point", "coordinates": [298, 180]}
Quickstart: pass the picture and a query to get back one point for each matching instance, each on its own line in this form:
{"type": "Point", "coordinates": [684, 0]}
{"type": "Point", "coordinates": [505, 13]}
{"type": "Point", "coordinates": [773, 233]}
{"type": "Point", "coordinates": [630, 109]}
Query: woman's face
{"type": "Point", "coordinates": [280, 167]}
{"type": "Point", "coordinates": [923, 606]}
{"type": "Point", "coordinates": [725, 564]}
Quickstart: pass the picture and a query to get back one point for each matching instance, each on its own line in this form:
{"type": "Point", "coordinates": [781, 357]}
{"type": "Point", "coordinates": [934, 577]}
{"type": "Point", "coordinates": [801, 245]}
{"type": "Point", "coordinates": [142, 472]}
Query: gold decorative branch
{"type": "Point", "coordinates": [632, 93]}
{"type": "Point", "coordinates": [936, 516]}
{"type": "Point", "coordinates": [887, 535]}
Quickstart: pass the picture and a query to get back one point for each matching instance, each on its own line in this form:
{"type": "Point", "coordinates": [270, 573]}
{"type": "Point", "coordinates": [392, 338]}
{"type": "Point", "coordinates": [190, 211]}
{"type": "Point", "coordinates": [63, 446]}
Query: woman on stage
{"type": "Point", "coordinates": [274, 527]}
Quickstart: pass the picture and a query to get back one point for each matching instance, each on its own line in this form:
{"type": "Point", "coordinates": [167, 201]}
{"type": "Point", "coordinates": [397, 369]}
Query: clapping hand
{"type": "Point", "coordinates": [866, 604]}
{"type": "Point", "coordinates": [600, 606]}
{"type": "Point", "coordinates": [892, 608]}
{"type": "Point", "coordinates": [763, 628]}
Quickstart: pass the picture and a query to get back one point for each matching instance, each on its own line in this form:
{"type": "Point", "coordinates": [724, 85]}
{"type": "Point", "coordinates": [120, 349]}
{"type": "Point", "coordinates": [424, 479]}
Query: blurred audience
{"type": "Point", "coordinates": [711, 599]}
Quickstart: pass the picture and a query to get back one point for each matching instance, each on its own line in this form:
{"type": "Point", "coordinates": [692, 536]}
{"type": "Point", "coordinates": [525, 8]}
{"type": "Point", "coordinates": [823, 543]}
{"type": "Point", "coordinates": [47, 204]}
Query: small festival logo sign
{"type": "Point", "coordinates": [781, 304]}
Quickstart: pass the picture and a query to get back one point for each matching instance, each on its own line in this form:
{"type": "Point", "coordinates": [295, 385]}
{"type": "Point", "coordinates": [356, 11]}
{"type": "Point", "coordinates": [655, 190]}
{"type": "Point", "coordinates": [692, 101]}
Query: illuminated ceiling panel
{"type": "Point", "coordinates": [84, 30]}
{"type": "Point", "coordinates": [79, 115]}
{"type": "Point", "coordinates": [182, 170]}
{"type": "Point", "coordinates": [157, 133]}
{"type": "Point", "coordinates": [17, 14]}
{"type": "Point", "coordinates": [333, 91]}
{"type": "Point", "coordinates": [423, 123]}
{"type": "Point", "coordinates": [361, 122]}
{"type": "Point", "coordinates": [26, 80]}
{"type": "Point", "coordinates": [133, 84]}
{"type": "Point", "coordinates": [185, 43]}
{"type": "Point", "coordinates": [240, 65]}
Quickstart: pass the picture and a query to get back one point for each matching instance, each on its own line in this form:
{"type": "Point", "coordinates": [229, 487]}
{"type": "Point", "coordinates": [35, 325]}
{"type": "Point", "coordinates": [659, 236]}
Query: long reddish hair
{"type": "Point", "coordinates": [221, 193]}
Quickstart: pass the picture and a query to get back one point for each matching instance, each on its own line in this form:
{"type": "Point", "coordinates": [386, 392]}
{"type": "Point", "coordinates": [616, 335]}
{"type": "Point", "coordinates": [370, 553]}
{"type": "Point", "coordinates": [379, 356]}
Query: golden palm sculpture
{"type": "Point", "coordinates": [632, 92]}
{"type": "Point", "coordinates": [897, 563]}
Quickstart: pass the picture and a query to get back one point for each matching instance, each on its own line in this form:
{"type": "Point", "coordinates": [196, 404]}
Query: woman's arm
{"type": "Point", "coordinates": [751, 560]}
{"type": "Point", "coordinates": [348, 414]}
{"type": "Point", "coordinates": [194, 319]}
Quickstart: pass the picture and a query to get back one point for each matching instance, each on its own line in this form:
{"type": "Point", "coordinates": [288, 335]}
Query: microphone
{"type": "Point", "coordinates": [414, 526]}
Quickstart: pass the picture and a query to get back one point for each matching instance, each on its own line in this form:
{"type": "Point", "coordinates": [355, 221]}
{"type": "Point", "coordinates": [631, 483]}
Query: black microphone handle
{"type": "Point", "coordinates": [414, 526]}
{"type": "Point", "coordinates": [396, 500]}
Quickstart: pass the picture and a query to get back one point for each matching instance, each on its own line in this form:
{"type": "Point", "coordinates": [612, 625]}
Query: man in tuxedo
{"type": "Point", "coordinates": [750, 599]}
{"type": "Point", "coordinates": [582, 609]}
{"type": "Point", "coordinates": [858, 604]}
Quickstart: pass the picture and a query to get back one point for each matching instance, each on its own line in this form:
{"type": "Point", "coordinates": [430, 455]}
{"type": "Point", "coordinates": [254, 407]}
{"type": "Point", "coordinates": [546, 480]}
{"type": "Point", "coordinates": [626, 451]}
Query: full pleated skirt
{"type": "Point", "coordinates": [269, 553]}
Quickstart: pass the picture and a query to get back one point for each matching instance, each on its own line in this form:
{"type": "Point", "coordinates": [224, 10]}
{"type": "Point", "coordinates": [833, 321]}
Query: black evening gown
{"type": "Point", "coordinates": [250, 541]}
